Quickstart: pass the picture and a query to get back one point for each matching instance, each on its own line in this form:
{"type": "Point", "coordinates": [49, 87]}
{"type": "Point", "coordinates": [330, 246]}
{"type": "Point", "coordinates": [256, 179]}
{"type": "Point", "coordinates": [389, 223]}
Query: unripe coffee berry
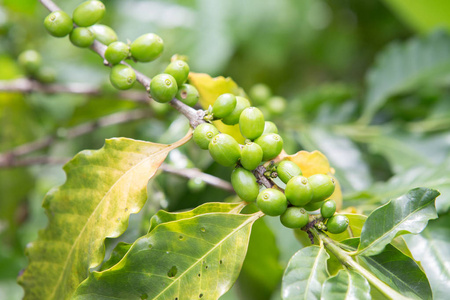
{"type": "Point", "coordinates": [313, 206]}
{"type": "Point", "coordinates": [271, 144]}
{"type": "Point", "coordinates": [298, 191]}
{"type": "Point", "coordinates": [196, 185]}
{"type": "Point", "coordinates": [287, 169]}
{"type": "Point", "coordinates": [337, 224]}
{"type": "Point", "coordinates": [203, 134]}
{"type": "Point", "coordinates": [272, 202]}
{"type": "Point", "coordinates": [179, 69]}
{"type": "Point", "coordinates": [270, 127]}
{"type": "Point", "coordinates": [322, 186]}
{"type": "Point", "coordinates": [276, 105]}
{"type": "Point", "coordinates": [88, 13]}
{"type": "Point", "coordinates": [122, 77]}
{"type": "Point", "coordinates": [81, 37]}
{"type": "Point", "coordinates": [244, 184]}
{"type": "Point", "coordinates": [328, 209]}
{"type": "Point", "coordinates": [46, 74]}
{"type": "Point", "coordinates": [104, 34]}
{"type": "Point", "coordinates": [225, 150]}
{"type": "Point", "coordinates": [163, 88]}
{"type": "Point", "coordinates": [260, 93]}
{"type": "Point", "coordinates": [58, 23]}
{"type": "Point", "coordinates": [251, 156]}
{"type": "Point", "coordinates": [294, 217]}
{"type": "Point", "coordinates": [224, 105]}
{"type": "Point", "coordinates": [233, 118]}
{"type": "Point", "coordinates": [147, 47]}
{"type": "Point", "coordinates": [188, 94]}
{"type": "Point", "coordinates": [251, 123]}
{"type": "Point", "coordinates": [116, 52]}
{"type": "Point", "coordinates": [30, 61]}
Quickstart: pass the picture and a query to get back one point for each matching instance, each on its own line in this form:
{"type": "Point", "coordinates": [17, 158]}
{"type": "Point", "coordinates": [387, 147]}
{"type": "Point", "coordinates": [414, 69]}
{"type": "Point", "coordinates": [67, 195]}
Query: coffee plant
{"type": "Point", "coordinates": [111, 233]}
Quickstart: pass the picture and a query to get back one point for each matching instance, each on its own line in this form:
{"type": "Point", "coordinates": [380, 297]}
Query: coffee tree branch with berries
{"type": "Point", "coordinates": [342, 250]}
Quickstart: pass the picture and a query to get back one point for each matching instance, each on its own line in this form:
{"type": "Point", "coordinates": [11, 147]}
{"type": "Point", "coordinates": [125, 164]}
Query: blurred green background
{"type": "Point", "coordinates": [377, 129]}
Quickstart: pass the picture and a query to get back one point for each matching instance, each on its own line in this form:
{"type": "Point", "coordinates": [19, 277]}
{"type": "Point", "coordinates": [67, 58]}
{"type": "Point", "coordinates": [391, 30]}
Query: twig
{"type": "Point", "coordinates": [195, 117]}
{"type": "Point", "coordinates": [114, 119]}
{"type": "Point", "coordinates": [261, 178]}
{"type": "Point", "coordinates": [25, 85]}
{"type": "Point", "coordinates": [196, 173]}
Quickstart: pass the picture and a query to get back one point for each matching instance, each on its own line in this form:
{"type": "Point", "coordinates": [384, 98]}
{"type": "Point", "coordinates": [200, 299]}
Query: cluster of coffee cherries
{"type": "Point", "coordinates": [263, 144]}
{"type": "Point", "coordinates": [163, 88]}
{"type": "Point", "coordinates": [31, 63]}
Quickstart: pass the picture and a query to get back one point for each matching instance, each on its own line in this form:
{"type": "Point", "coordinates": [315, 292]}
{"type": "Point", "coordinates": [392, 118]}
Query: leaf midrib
{"type": "Point", "coordinates": [251, 218]}
{"type": "Point", "coordinates": [168, 148]}
{"type": "Point", "coordinates": [398, 224]}
{"type": "Point", "coordinates": [316, 262]}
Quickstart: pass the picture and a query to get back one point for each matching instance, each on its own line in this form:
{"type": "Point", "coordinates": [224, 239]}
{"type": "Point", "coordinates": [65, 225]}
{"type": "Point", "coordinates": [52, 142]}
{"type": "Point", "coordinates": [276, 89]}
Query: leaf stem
{"type": "Point", "coordinates": [347, 261]}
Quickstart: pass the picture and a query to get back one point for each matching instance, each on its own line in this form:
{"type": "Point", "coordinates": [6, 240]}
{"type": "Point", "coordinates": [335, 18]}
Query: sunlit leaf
{"type": "Point", "coordinates": [305, 274]}
{"type": "Point", "coordinates": [408, 214]}
{"type": "Point", "coordinates": [404, 66]}
{"type": "Point", "coordinates": [346, 285]}
{"type": "Point", "coordinates": [209, 89]}
{"type": "Point", "coordinates": [102, 189]}
{"type": "Point", "coordinates": [432, 248]}
{"type": "Point", "coordinates": [185, 259]}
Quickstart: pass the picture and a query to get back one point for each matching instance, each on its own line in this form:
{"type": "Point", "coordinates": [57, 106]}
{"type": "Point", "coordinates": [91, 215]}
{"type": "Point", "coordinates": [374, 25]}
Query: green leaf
{"type": "Point", "coordinates": [116, 255]}
{"type": "Point", "coordinates": [432, 248]}
{"type": "Point", "coordinates": [408, 214]}
{"type": "Point", "coordinates": [397, 270]}
{"type": "Point", "coordinates": [346, 285]}
{"type": "Point", "coordinates": [305, 274]}
{"type": "Point", "coordinates": [102, 189]}
{"type": "Point", "coordinates": [261, 272]}
{"type": "Point", "coordinates": [184, 259]}
{"type": "Point", "coordinates": [210, 207]}
{"type": "Point", "coordinates": [404, 66]}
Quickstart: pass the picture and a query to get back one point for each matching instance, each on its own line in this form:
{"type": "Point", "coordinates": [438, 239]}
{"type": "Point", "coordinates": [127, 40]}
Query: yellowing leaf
{"type": "Point", "coordinates": [209, 89]}
{"type": "Point", "coordinates": [102, 189]}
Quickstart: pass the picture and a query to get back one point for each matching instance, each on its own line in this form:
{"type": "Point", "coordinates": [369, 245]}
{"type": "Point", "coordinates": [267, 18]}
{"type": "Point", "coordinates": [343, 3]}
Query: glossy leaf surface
{"type": "Point", "coordinates": [407, 214]}
{"type": "Point", "coordinates": [305, 274]}
{"type": "Point", "coordinates": [346, 285]}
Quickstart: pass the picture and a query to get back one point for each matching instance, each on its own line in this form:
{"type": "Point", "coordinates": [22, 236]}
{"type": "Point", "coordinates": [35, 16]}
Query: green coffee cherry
{"type": "Point", "coordinates": [337, 224]}
{"type": "Point", "coordinates": [276, 105]}
{"type": "Point", "coordinates": [224, 105]}
{"type": "Point", "coordinates": [251, 156]}
{"type": "Point", "coordinates": [46, 74]}
{"type": "Point", "coordinates": [188, 94]}
{"type": "Point", "coordinates": [294, 217]}
{"type": "Point", "coordinates": [82, 37]}
{"type": "Point", "coordinates": [147, 47]}
{"type": "Point", "coordinates": [122, 77]}
{"type": "Point", "coordinates": [328, 209]}
{"type": "Point", "coordinates": [298, 191]}
{"type": "Point", "coordinates": [163, 88]}
{"type": "Point", "coordinates": [104, 34]}
{"type": "Point", "coordinates": [203, 134]}
{"type": "Point", "coordinates": [251, 123]}
{"type": "Point", "coordinates": [312, 206]}
{"type": "Point", "coordinates": [30, 61]}
{"type": "Point", "coordinates": [287, 169]}
{"type": "Point", "coordinates": [196, 185]}
{"type": "Point", "coordinates": [271, 144]}
{"type": "Point", "coordinates": [179, 69]}
{"type": "Point", "coordinates": [88, 13]}
{"type": "Point", "coordinates": [272, 202]}
{"type": "Point", "coordinates": [58, 23]}
{"type": "Point", "coordinates": [233, 117]}
{"type": "Point", "coordinates": [260, 93]}
{"type": "Point", "coordinates": [244, 184]}
{"type": "Point", "coordinates": [225, 150]}
{"type": "Point", "coordinates": [116, 52]}
{"type": "Point", "coordinates": [322, 186]}
{"type": "Point", "coordinates": [270, 127]}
